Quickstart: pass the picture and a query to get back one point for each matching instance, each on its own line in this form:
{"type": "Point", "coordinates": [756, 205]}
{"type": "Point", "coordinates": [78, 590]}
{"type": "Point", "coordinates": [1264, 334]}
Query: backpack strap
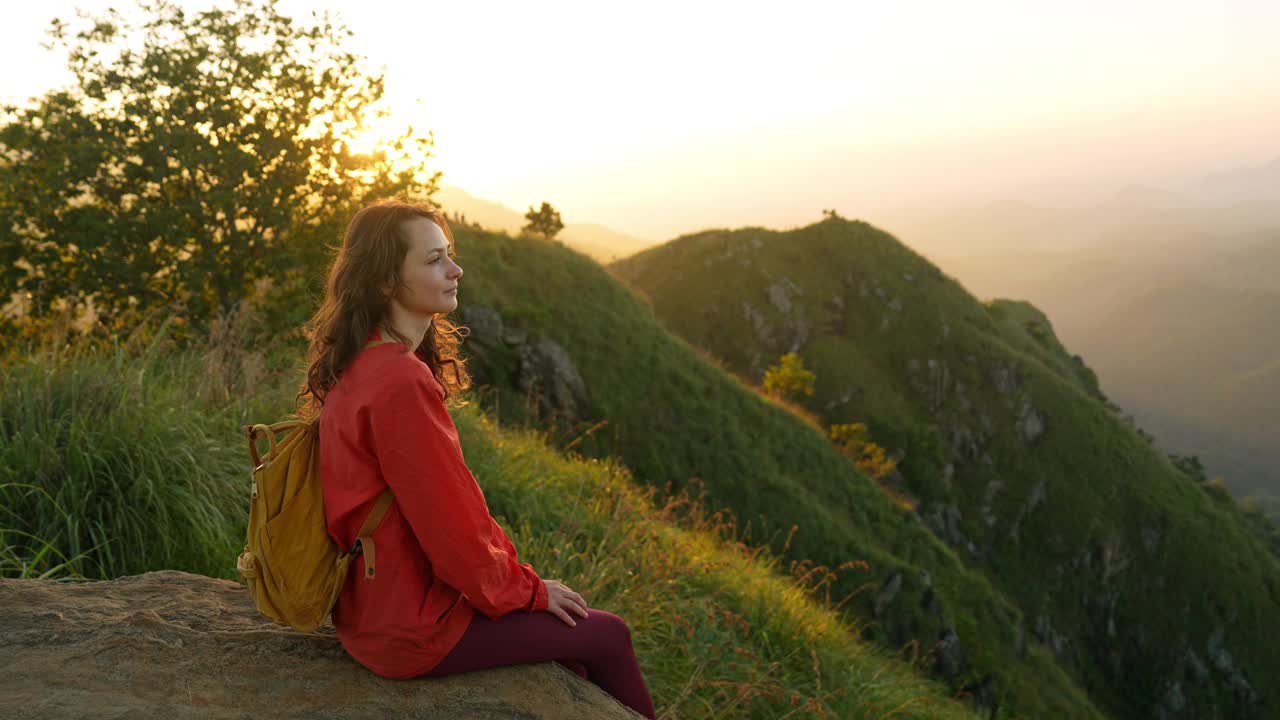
{"type": "Point", "coordinates": [257, 432]}
{"type": "Point", "coordinates": [364, 539]}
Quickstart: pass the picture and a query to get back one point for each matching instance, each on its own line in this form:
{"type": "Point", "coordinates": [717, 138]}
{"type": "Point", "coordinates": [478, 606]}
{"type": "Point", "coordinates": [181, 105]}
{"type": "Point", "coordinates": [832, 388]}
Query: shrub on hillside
{"type": "Point", "coordinates": [789, 378]}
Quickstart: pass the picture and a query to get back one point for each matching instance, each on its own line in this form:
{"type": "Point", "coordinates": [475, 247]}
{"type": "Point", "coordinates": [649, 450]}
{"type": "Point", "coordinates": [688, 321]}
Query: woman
{"type": "Point", "coordinates": [448, 594]}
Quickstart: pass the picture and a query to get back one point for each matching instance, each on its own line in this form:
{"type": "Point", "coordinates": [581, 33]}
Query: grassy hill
{"type": "Point", "coordinates": [1148, 586]}
{"type": "Point", "coordinates": [88, 439]}
{"type": "Point", "coordinates": [672, 414]}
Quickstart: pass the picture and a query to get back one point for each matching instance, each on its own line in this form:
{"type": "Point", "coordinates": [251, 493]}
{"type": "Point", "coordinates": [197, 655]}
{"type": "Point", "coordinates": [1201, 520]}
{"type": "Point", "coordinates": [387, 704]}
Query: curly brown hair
{"type": "Point", "coordinates": [372, 254]}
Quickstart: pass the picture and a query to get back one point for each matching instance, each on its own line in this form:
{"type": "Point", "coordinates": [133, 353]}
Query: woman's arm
{"type": "Point", "coordinates": [417, 449]}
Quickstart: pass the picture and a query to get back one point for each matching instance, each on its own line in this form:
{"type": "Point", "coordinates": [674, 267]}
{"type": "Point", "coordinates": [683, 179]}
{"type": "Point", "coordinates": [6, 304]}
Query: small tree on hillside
{"type": "Point", "coordinates": [1190, 466]}
{"type": "Point", "coordinates": [852, 440]}
{"type": "Point", "coordinates": [544, 221]}
{"type": "Point", "coordinates": [789, 378]}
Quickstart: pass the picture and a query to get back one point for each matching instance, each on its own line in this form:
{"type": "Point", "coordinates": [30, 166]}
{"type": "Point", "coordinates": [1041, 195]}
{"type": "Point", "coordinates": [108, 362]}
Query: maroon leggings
{"type": "Point", "coordinates": [598, 649]}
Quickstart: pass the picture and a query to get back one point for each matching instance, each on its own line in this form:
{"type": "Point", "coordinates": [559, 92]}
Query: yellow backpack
{"type": "Point", "coordinates": [290, 564]}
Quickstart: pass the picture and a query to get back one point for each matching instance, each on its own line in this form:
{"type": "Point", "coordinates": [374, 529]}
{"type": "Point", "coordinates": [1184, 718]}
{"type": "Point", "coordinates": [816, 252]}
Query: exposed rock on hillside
{"type": "Point", "coordinates": [544, 368]}
{"type": "Point", "coordinates": [174, 645]}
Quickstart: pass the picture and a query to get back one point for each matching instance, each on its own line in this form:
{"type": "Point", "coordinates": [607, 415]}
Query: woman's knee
{"type": "Point", "coordinates": [613, 626]}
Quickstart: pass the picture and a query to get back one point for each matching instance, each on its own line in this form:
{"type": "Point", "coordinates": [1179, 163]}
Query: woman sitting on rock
{"type": "Point", "coordinates": [448, 593]}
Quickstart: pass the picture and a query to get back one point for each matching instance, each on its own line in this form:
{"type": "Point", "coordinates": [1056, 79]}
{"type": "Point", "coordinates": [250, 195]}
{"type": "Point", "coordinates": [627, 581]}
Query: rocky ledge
{"type": "Point", "coordinates": [174, 645]}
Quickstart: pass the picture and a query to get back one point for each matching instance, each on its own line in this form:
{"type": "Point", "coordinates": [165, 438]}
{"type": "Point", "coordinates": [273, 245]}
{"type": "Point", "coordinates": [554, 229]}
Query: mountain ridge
{"type": "Point", "coordinates": [997, 421]}
{"type": "Point", "coordinates": [677, 417]}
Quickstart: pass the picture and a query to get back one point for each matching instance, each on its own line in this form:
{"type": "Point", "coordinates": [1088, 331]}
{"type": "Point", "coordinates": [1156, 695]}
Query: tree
{"type": "Point", "coordinates": [544, 221]}
{"type": "Point", "coordinates": [788, 377]}
{"type": "Point", "coordinates": [193, 155]}
{"type": "Point", "coordinates": [852, 440]}
{"type": "Point", "coordinates": [1190, 466]}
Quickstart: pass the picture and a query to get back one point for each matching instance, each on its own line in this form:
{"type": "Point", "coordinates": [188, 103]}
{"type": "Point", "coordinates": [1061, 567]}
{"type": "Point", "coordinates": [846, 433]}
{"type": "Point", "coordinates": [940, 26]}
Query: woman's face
{"type": "Point", "coordinates": [429, 274]}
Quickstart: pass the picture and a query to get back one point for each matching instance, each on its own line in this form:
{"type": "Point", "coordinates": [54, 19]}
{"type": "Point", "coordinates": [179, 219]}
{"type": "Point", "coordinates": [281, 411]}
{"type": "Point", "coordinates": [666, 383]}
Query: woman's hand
{"type": "Point", "coordinates": [561, 599]}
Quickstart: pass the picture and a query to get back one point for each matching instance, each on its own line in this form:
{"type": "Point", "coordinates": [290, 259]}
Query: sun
{"type": "Point", "coordinates": [377, 135]}
{"type": "Point", "coordinates": [390, 142]}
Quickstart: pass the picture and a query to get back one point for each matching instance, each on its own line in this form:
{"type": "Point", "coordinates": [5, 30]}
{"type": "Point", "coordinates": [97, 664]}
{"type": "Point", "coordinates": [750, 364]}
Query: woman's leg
{"type": "Point", "coordinates": [601, 642]}
{"type": "Point", "coordinates": [576, 667]}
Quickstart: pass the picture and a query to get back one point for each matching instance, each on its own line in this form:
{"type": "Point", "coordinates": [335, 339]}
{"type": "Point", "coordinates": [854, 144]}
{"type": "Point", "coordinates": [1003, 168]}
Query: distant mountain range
{"type": "Point", "coordinates": [592, 239]}
{"type": "Point", "coordinates": [1256, 184]}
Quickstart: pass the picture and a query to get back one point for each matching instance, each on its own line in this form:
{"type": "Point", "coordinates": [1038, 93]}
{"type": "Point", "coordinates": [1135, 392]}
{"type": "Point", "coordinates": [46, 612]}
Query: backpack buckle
{"type": "Point", "coordinates": [355, 547]}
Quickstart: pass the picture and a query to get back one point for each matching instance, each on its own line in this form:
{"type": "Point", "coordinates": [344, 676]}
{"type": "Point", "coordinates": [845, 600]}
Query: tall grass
{"type": "Point", "coordinates": [115, 456]}
{"type": "Point", "coordinates": [124, 457]}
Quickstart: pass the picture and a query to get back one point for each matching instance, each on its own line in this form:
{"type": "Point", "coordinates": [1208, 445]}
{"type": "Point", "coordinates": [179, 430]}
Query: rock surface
{"type": "Point", "coordinates": [174, 645]}
{"type": "Point", "coordinates": [545, 369]}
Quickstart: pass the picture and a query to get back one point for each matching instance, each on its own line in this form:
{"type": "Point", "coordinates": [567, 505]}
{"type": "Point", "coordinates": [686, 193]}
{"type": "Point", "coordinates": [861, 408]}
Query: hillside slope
{"type": "Point", "coordinates": [1194, 358]}
{"type": "Point", "coordinates": [537, 310]}
{"type": "Point", "coordinates": [1147, 586]}
{"type": "Point", "coordinates": [1180, 338]}
{"type": "Point", "coordinates": [93, 489]}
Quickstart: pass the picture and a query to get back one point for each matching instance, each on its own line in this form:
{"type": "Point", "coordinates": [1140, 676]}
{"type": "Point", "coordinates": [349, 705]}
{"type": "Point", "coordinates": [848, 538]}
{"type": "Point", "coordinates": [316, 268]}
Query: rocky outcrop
{"type": "Point", "coordinates": [547, 369]}
{"type": "Point", "coordinates": [544, 369]}
{"type": "Point", "coordinates": [484, 324]}
{"type": "Point", "coordinates": [888, 590]}
{"type": "Point", "coordinates": [1031, 421]}
{"type": "Point", "coordinates": [944, 521]}
{"type": "Point", "coordinates": [173, 645]}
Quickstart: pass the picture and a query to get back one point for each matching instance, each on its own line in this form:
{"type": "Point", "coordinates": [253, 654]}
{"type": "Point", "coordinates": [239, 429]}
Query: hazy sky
{"type": "Point", "coordinates": [664, 117]}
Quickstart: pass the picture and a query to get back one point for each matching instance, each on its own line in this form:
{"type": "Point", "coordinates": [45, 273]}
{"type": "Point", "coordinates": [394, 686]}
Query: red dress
{"type": "Point", "coordinates": [440, 555]}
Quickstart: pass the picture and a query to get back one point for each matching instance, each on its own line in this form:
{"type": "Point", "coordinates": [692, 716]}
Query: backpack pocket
{"type": "Point", "coordinates": [301, 558]}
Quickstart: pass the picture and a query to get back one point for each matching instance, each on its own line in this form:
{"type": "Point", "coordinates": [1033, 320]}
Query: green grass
{"type": "Point", "coordinates": [135, 464]}
{"type": "Point", "coordinates": [720, 629]}
{"type": "Point", "coordinates": [102, 460]}
{"type": "Point", "coordinates": [116, 454]}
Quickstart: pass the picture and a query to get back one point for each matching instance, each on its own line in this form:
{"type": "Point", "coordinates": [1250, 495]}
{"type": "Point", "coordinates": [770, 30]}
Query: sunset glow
{"type": "Point", "coordinates": [682, 115]}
